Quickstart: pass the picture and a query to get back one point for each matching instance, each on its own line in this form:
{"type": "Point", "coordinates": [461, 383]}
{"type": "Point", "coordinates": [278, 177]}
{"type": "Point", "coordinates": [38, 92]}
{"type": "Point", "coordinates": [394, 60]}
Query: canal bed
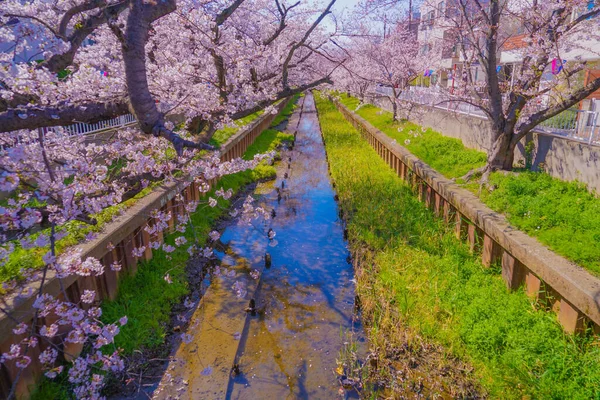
{"type": "Point", "coordinates": [304, 301]}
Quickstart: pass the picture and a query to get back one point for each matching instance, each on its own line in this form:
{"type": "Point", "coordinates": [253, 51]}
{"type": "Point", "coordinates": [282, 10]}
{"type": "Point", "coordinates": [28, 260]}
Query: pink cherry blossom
{"type": "Point", "coordinates": [88, 296]}
{"type": "Point", "coordinates": [20, 329]}
{"type": "Point", "coordinates": [49, 331]}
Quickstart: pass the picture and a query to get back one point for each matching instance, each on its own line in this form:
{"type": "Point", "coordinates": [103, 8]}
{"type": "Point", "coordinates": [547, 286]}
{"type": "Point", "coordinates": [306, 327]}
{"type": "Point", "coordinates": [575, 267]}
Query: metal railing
{"type": "Point", "coordinates": [81, 128]}
{"type": "Point", "coordinates": [77, 129]}
{"type": "Point", "coordinates": [580, 125]}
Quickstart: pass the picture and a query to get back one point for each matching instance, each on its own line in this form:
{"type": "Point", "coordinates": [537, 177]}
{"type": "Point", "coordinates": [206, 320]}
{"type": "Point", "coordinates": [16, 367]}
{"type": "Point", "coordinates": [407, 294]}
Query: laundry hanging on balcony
{"type": "Point", "coordinates": [557, 66]}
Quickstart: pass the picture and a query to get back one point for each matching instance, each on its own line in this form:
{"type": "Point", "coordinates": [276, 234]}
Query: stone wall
{"type": "Point", "coordinates": [558, 156]}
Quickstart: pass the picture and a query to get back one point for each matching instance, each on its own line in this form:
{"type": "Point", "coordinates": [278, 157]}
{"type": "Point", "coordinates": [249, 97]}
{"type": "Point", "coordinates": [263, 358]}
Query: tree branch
{"type": "Point", "coordinates": [281, 95]}
{"type": "Point", "coordinates": [283, 11]}
{"type": "Point", "coordinates": [226, 13]}
{"type": "Point", "coordinates": [550, 112]}
{"type": "Point", "coordinates": [70, 13]}
{"type": "Point", "coordinates": [295, 47]}
{"type": "Point", "coordinates": [58, 62]}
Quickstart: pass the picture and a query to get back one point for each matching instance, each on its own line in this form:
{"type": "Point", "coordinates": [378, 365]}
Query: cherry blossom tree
{"type": "Point", "coordinates": [88, 60]}
{"type": "Point", "coordinates": [381, 49]}
{"type": "Point", "coordinates": [204, 59]}
{"type": "Point", "coordinates": [516, 102]}
{"type": "Point", "coordinates": [391, 61]}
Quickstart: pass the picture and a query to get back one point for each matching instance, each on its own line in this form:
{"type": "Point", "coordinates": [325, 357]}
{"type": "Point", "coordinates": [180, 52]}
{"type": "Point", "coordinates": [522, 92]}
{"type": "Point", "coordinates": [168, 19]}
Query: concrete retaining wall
{"type": "Point", "coordinates": [126, 232]}
{"type": "Point", "coordinates": [560, 157]}
{"type": "Point", "coordinates": [572, 292]}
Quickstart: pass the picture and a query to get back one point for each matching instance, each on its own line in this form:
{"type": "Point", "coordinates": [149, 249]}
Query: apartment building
{"type": "Point", "coordinates": [448, 55]}
{"type": "Point", "coordinates": [441, 45]}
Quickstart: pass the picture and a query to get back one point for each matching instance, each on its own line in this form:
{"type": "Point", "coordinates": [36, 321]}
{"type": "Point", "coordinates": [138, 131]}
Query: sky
{"type": "Point", "coordinates": [345, 7]}
{"type": "Point", "coordinates": [344, 4]}
{"type": "Point", "coordinates": [340, 6]}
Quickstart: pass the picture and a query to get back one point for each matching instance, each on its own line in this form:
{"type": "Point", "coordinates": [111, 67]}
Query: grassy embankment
{"type": "Point", "coordinates": [22, 259]}
{"type": "Point", "coordinates": [225, 133]}
{"type": "Point", "coordinates": [221, 136]}
{"type": "Point", "coordinates": [562, 215]}
{"type": "Point", "coordinates": [416, 280]}
{"type": "Point", "coordinates": [146, 298]}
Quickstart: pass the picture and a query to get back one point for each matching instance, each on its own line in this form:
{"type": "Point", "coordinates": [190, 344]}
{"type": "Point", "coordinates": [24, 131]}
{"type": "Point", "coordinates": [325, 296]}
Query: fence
{"type": "Point", "coordinates": [579, 125]}
{"type": "Point", "coordinates": [86, 129]}
{"type": "Point", "coordinates": [570, 291]}
{"type": "Point", "coordinates": [126, 232]}
{"type": "Point", "coordinates": [78, 129]}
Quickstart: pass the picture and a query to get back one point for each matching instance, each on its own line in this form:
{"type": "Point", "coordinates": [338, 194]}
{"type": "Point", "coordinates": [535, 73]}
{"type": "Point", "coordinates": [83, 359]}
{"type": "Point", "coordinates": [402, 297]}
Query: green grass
{"type": "Point", "coordinates": [222, 135]}
{"type": "Point", "coordinates": [565, 216]}
{"type": "Point", "coordinates": [441, 290]}
{"type": "Point", "coordinates": [562, 215]}
{"type": "Point", "coordinates": [146, 298]}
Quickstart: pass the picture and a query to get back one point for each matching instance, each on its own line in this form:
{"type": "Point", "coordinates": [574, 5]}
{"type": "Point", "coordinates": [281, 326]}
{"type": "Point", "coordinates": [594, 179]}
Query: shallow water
{"type": "Point", "coordinates": [304, 301]}
{"type": "Point", "coordinates": [308, 293]}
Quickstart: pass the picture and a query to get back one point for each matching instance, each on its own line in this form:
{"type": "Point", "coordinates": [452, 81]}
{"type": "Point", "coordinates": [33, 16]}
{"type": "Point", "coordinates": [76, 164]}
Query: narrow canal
{"type": "Point", "coordinates": [304, 301]}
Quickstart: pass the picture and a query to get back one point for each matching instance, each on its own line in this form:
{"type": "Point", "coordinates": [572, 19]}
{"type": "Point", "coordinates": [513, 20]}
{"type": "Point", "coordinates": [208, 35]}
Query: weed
{"type": "Point", "coordinates": [565, 216]}
{"type": "Point", "coordinates": [420, 277]}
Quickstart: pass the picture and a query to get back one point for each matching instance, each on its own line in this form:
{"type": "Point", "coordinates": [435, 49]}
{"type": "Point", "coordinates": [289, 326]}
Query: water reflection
{"type": "Point", "coordinates": [304, 302]}
{"type": "Point", "coordinates": [306, 298]}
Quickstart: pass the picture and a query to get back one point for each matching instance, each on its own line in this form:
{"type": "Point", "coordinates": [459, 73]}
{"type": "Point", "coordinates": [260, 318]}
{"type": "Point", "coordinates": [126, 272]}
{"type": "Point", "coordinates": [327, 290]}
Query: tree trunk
{"type": "Point", "coordinates": [134, 59]}
{"type": "Point", "coordinates": [502, 153]}
{"type": "Point", "coordinates": [196, 124]}
{"type": "Point", "coordinates": [394, 110]}
{"type": "Point", "coordinates": [141, 15]}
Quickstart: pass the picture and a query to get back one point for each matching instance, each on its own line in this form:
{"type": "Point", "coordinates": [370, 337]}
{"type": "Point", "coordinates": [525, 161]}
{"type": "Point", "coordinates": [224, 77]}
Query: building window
{"type": "Point", "coordinates": [441, 9]}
